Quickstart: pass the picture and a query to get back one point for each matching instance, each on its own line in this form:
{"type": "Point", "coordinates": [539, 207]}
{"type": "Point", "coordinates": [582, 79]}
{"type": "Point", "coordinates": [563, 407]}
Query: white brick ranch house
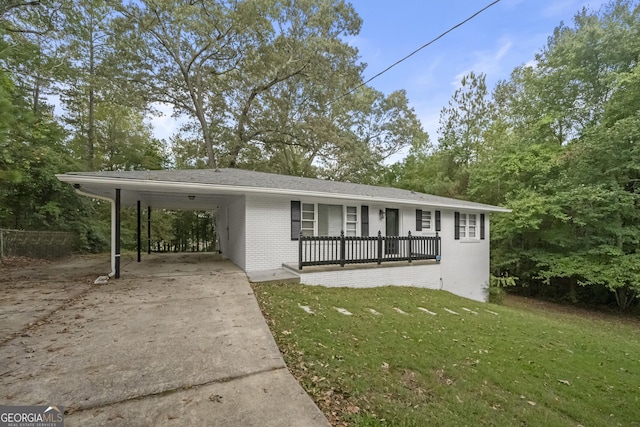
{"type": "Point", "coordinates": [326, 232]}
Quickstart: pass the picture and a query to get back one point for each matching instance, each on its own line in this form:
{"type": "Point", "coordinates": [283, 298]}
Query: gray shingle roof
{"type": "Point", "coordinates": [262, 180]}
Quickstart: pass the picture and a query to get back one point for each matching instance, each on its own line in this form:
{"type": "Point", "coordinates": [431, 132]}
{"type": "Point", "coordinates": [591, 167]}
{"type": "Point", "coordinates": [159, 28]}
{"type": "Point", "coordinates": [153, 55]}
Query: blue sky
{"type": "Point", "coordinates": [506, 35]}
{"type": "Point", "coordinates": [495, 42]}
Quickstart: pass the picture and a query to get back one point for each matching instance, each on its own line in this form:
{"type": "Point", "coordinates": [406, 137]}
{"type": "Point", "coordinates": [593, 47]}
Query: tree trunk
{"type": "Point", "coordinates": [212, 161]}
{"type": "Point", "coordinates": [573, 291]}
{"type": "Point", "coordinates": [198, 108]}
{"type": "Point", "coordinates": [91, 136]}
{"type": "Point", "coordinates": [624, 297]}
{"type": "Point", "coordinates": [36, 95]}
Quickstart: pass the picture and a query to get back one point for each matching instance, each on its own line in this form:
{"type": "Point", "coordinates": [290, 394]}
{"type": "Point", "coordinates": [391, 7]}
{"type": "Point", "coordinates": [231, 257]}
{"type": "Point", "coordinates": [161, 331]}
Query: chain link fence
{"type": "Point", "coordinates": [35, 244]}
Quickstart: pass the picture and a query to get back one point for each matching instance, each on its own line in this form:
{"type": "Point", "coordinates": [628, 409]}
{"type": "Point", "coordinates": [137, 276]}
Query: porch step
{"type": "Point", "coordinates": [274, 275]}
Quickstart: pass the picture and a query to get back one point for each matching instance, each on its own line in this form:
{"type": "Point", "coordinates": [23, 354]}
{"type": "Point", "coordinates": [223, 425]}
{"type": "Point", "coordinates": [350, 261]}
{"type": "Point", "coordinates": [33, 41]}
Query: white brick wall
{"type": "Point", "coordinates": [465, 264]}
{"type": "Point", "coordinates": [266, 244]}
{"type": "Point", "coordinates": [269, 243]}
{"type": "Point", "coordinates": [418, 275]}
{"type": "Point", "coordinates": [231, 231]}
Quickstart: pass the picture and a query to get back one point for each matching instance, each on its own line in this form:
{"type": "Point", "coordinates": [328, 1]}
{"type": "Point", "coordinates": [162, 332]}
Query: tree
{"type": "Point", "coordinates": [570, 163]}
{"type": "Point", "coordinates": [124, 142]}
{"type": "Point", "coordinates": [309, 66]}
{"type": "Point", "coordinates": [380, 127]}
{"type": "Point", "coordinates": [28, 30]}
{"type": "Point", "coordinates": [462, 126]}
{"type": "Point", "coordinates": [96, 81]}
{"type": "Point", "coordinates": [556, 143]}
{"type": "Point", "coordinates": [268, 89]}
{"type": "Point", "coordinates": [31, 153]}
{"type": "Point", "coordinates": [189, 49]}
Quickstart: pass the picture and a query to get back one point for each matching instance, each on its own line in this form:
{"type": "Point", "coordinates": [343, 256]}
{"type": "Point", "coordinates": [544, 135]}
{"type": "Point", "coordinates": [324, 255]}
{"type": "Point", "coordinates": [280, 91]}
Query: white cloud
{"type": "Point", "coordinates": [488, 62]}
{"type": "Point", "coordinates": [503, 50]}
{"type": "Point", "coordinates": [163, 123]}
{"type": "Point", "coordinates": [427, 77]}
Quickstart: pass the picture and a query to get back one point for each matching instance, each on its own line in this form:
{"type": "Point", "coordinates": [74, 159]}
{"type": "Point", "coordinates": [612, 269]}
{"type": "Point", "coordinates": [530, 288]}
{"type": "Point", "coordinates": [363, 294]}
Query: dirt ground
{"type": "Point", "coordinates": [178, 340]}
{"type": "Point", "coordinates": [608, 314]}
{"type": "Point", "coordinates": [32, 290]}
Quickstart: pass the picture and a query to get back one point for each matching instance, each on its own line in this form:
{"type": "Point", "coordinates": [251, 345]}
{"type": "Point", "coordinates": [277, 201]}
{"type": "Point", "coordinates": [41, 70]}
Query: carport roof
{"type": "Point", "coordinates": [168, 188]}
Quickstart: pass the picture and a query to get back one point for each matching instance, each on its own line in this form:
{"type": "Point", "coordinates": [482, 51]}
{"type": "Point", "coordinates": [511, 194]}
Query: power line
{"type": "Point", "coordinates": [415, 51]}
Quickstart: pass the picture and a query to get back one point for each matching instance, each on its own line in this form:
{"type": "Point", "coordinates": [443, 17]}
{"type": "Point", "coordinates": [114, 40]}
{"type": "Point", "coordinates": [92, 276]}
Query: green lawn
{"type": "Point", "coordinates": [502, 366]}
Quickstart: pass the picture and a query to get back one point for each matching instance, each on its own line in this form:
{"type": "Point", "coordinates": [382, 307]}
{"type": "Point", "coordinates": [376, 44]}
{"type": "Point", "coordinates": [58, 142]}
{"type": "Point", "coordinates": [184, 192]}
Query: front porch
{"type": "Point", "coordinates": [353, 261]}
{"type": "Point", "coordinates": [342, 250]}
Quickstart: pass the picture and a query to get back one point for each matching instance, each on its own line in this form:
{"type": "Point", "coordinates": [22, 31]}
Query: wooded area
{"type": "Point", "coordinates": [265, 85]}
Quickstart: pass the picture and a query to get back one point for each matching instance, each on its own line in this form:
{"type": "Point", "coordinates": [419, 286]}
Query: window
{"type": "Point", "coordinates": [329, 220]}
{"type": "Point", "coordinates": [426, 220]}
{"type": "Point", "coordinates": [312, 219]}
{"type": "Point", "coordinates": [472, 225]}
{"type": "Point", "coordinates": [308, 219]}
{"type": "Point", "coordinates": [467, 226]}
{"type": "Point", "coordinates": [351, 221]}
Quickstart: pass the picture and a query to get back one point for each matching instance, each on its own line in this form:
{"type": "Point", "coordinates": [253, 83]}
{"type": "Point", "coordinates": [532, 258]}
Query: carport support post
{"type": "Point", "coordinates": [149, 230]}
{"type": "Point", "coordinates": [139, 232]}
{"type": "Point", "coordinates": [117, 255]}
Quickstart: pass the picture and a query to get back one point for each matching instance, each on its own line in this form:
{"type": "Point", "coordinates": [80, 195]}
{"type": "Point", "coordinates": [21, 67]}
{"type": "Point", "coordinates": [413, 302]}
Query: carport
{"type": "Point", "coordinates": [146, 193]}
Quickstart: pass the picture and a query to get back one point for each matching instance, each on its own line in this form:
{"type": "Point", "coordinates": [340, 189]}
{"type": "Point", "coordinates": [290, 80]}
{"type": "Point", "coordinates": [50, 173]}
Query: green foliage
{"type": "Point", "coordinates": [32, 152]}
{"type": "Point", "coordinates": [497, 286]}
{"type": "Point", "coordinates": [556, 143]}
{"type": "Point", "coordinates": [262, 85]}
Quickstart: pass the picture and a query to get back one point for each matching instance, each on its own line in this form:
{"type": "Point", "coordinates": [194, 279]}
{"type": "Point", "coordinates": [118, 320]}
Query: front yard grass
{"type": "Point", "coordinates": [486, 365]}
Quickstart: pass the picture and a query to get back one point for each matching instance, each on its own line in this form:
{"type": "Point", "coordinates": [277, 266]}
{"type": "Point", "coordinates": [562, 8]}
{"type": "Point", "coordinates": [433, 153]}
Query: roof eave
{"type": "Point", "coordinates": [123, 183]}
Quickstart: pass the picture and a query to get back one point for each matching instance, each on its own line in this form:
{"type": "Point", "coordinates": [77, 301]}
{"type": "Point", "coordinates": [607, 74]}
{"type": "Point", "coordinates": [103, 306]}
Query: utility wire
{"type": "Point", "coordinates": [415, 51]}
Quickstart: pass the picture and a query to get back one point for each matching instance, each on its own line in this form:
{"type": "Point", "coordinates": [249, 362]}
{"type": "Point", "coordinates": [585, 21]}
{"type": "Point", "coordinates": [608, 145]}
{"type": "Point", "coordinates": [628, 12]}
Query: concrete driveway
{"type": "Point", "coordinates": [178, 340]}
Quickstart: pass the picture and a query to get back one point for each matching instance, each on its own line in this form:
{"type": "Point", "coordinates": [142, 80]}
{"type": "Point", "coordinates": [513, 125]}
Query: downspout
{"type": "Point", "coordinates": [113, 227]}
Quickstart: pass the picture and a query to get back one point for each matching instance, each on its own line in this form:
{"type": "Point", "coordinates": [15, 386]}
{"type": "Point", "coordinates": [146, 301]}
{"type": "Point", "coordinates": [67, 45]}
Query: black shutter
{"type": "Point", "coordinates": [481, 226]}
{"type": "Point", "coordinates": [438, 221]}
{"type": "Point", "coordinates": [364, 222]}
{"type": "Point", "coordinates": [295, 219]}
{"type": "Point", "coordinates": [418, 220]}
{"type": "Point", "coordinates": [456, 225]}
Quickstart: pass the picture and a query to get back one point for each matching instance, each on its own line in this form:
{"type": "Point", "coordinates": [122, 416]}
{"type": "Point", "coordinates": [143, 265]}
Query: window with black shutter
{"type": "Point", "coordinates": [423, 220]}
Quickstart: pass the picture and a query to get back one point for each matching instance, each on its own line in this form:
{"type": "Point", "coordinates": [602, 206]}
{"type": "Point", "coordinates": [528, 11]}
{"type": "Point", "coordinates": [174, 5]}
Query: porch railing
{"type": "Point", "coordinates": [342, 250]}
